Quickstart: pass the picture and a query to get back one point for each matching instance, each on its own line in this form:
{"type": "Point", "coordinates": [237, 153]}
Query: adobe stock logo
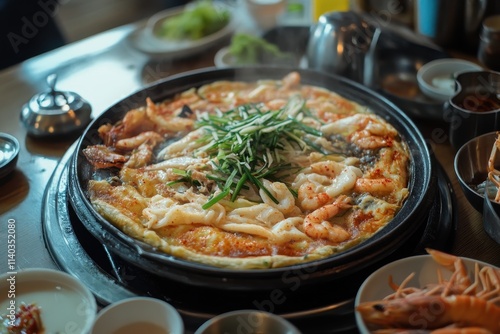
{"type": "Point", "coordinates": [32, 25]}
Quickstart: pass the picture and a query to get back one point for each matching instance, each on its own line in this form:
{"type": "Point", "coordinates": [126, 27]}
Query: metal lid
{"type": "Point", "coordinates": [54, 102]}
{"type": "Point", "coordinates": [55, 112]}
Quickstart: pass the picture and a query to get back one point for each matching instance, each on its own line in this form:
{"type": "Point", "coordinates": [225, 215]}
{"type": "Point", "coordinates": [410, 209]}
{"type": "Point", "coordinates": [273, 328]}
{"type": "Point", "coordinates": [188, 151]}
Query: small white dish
{"type": "Point", "coordinates": [247, 321]}
{"type": "Point", "coordinates": [376, 286]}
{"type": "Point", "coordinates": [436, 79]}
{"type": "Point", "coordinates": [144, 40]}
{"type": "Point", "coordinates": [224, 59]}
{"type": "Point", "coordinates": [138, 315]}
{"type": "Point", "coordinates": [265, 13]}
{"type": "Point", "coordinates": [67, 306]}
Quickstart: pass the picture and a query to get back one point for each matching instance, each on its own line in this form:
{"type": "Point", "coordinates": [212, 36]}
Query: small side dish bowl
{"type": "Point", "coordinates": [471, 167]}
{"type": "Point", "coordinates": [265, 13]}
{"type": "Point", "coordinates": [376, 286]}
{"type": "Point", "coordinates": [66, 305]}
{"type": "Point", "coordinates": [224, 59]}
{"type": "Point", "coordinates": [280, 46]}
{"type": "Point", "coordinates": [247, 321]}
{"type": "Point", "coordinates": [138, 315]}
{"type": "Point", "coordinates": [9, 153]}
{"type": "Point", "coordinates": [475, 107]}
{"type": "Point", "coordinates": [436, 79]}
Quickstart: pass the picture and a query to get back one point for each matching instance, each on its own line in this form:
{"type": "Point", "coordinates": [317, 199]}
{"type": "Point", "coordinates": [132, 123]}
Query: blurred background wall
{"type": "Point", "coordinates": [82, 18]}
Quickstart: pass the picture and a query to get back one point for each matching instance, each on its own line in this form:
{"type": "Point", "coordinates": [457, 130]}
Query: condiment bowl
{"type": "Point", "coordinates": [471, 167]}
{"type": "Point", "coordinates": [138, 315]}
{"type": "Point", "coordinates": [247, 321]}
{"type": "Point", "coordinates": [291, 41]}
{"type": "Point", "coordinates": [66, 305]}
{"type": "Point", "coordinates": [475, 108]}
{"type": "Point", "coordinates": [265, 13]}
{"type": "Point", "coordinates": [436, 78]}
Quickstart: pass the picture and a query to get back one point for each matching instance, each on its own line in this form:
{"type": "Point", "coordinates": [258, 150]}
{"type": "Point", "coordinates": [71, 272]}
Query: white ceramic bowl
{"type": "Point", "coordinates": [265, 13]}
{"type": "Point", "coordinates": [376, 286]}
{"type": "Point", "coordinates": [138, 315]}
{"type": "Point", "coordinates": [67, 306]}
{"type": "Point", "coordinates": [224, 59]}
{"type": "Point", "coordinates": [247, 321]}
{"type": "Point", "coordinates": [436, 79]}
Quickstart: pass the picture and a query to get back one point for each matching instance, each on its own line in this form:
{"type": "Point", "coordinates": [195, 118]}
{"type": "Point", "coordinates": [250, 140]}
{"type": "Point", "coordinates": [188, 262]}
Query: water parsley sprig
{"type": "Point", "coordinates": [248, 144]}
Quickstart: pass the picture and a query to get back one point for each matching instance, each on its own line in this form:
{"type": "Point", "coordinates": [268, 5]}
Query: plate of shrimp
{"type": "Point", "coordinates": [434, 293]}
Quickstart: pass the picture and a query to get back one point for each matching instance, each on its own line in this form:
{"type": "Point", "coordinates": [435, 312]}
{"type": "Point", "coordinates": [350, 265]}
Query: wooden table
{"type": "Point", "coordinates": [104, 69]}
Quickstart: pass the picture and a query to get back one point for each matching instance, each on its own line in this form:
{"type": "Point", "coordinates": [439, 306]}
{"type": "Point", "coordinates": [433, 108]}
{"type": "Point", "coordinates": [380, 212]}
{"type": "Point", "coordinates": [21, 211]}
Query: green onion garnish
{"type": "Point", "coordinates": [247, 144]}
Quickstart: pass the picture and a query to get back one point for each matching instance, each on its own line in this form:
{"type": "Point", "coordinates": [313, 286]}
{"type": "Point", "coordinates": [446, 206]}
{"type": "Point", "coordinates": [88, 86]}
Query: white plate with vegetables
{"type": "Point", "coordinates": [185, 30]}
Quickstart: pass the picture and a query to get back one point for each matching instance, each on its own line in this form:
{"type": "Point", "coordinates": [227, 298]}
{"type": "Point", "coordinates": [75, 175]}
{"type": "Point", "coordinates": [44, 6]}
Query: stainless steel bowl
{"type": "Point", "coordinates": [471, 167]}
{"type": "Point", "coordinates": [247, 321]}
{"type": "Point", "coordinates": [475, 108]}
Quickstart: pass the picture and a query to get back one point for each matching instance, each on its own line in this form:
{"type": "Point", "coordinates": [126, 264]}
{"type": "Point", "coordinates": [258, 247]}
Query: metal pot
{"type": "Point", "coordinates": [410, 218]}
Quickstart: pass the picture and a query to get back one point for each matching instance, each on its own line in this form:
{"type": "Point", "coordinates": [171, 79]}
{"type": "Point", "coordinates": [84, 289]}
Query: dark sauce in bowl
{"type": "Point", "coordinates": [477, 103]}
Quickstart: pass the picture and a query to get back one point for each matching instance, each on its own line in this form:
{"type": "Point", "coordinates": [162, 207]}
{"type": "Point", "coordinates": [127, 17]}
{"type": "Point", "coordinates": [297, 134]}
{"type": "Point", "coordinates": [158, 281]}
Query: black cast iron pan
{"type": "Point", "coordinates": [411, 216]}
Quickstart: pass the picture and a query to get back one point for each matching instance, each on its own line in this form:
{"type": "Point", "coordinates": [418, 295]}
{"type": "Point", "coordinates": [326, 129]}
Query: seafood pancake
{"type": "Point", "coordinates": [244, 175]}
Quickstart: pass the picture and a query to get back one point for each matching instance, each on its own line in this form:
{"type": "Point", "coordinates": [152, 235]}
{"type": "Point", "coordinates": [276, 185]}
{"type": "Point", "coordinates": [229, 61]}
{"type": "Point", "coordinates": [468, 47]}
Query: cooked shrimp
{"type": "Point", "coordinates": [490, 281]}
{"type": "Point", "coordinates": [344, 182]}
{"type": "Point", "coordinates": [134, 142]}
{"type": "Point", "coordinates": [165, 115]}
{"type": "Point", "coordinates": [291, 80]}
{"type": "Point", "coordinates": [101, 156]}
{"type": "Point", "coordinates": [328, 168]}
{"type": "Point", "coordinates": [328, 105]}
{"type": "Point", "coordinates": [454, 264]}
{"type": "Point", "coordinates": [134, 122]}
{"type": "Point", "coordinates": [286, 201]}
{"type": "Point", "coordinates": [366, 131]}
{"type": "Point", "coordinates": [430, 312]}
{"type": "Point", "coordinates": [316, 224]}
{"type": "Point", "coordinates": [331, 179]}
{"type": "Point", "coordinates": [462, 330]}
{"type": "Point", "coordinates": [457, 305]}
{"type": "Point", "coordinates": [141, 156]}
{"type": "Point", "coordinates": [276, 104]}
{"type": "Point", "coordinates": [380, 186]}
{"type": "Point", "coordinates": [311, 196]}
